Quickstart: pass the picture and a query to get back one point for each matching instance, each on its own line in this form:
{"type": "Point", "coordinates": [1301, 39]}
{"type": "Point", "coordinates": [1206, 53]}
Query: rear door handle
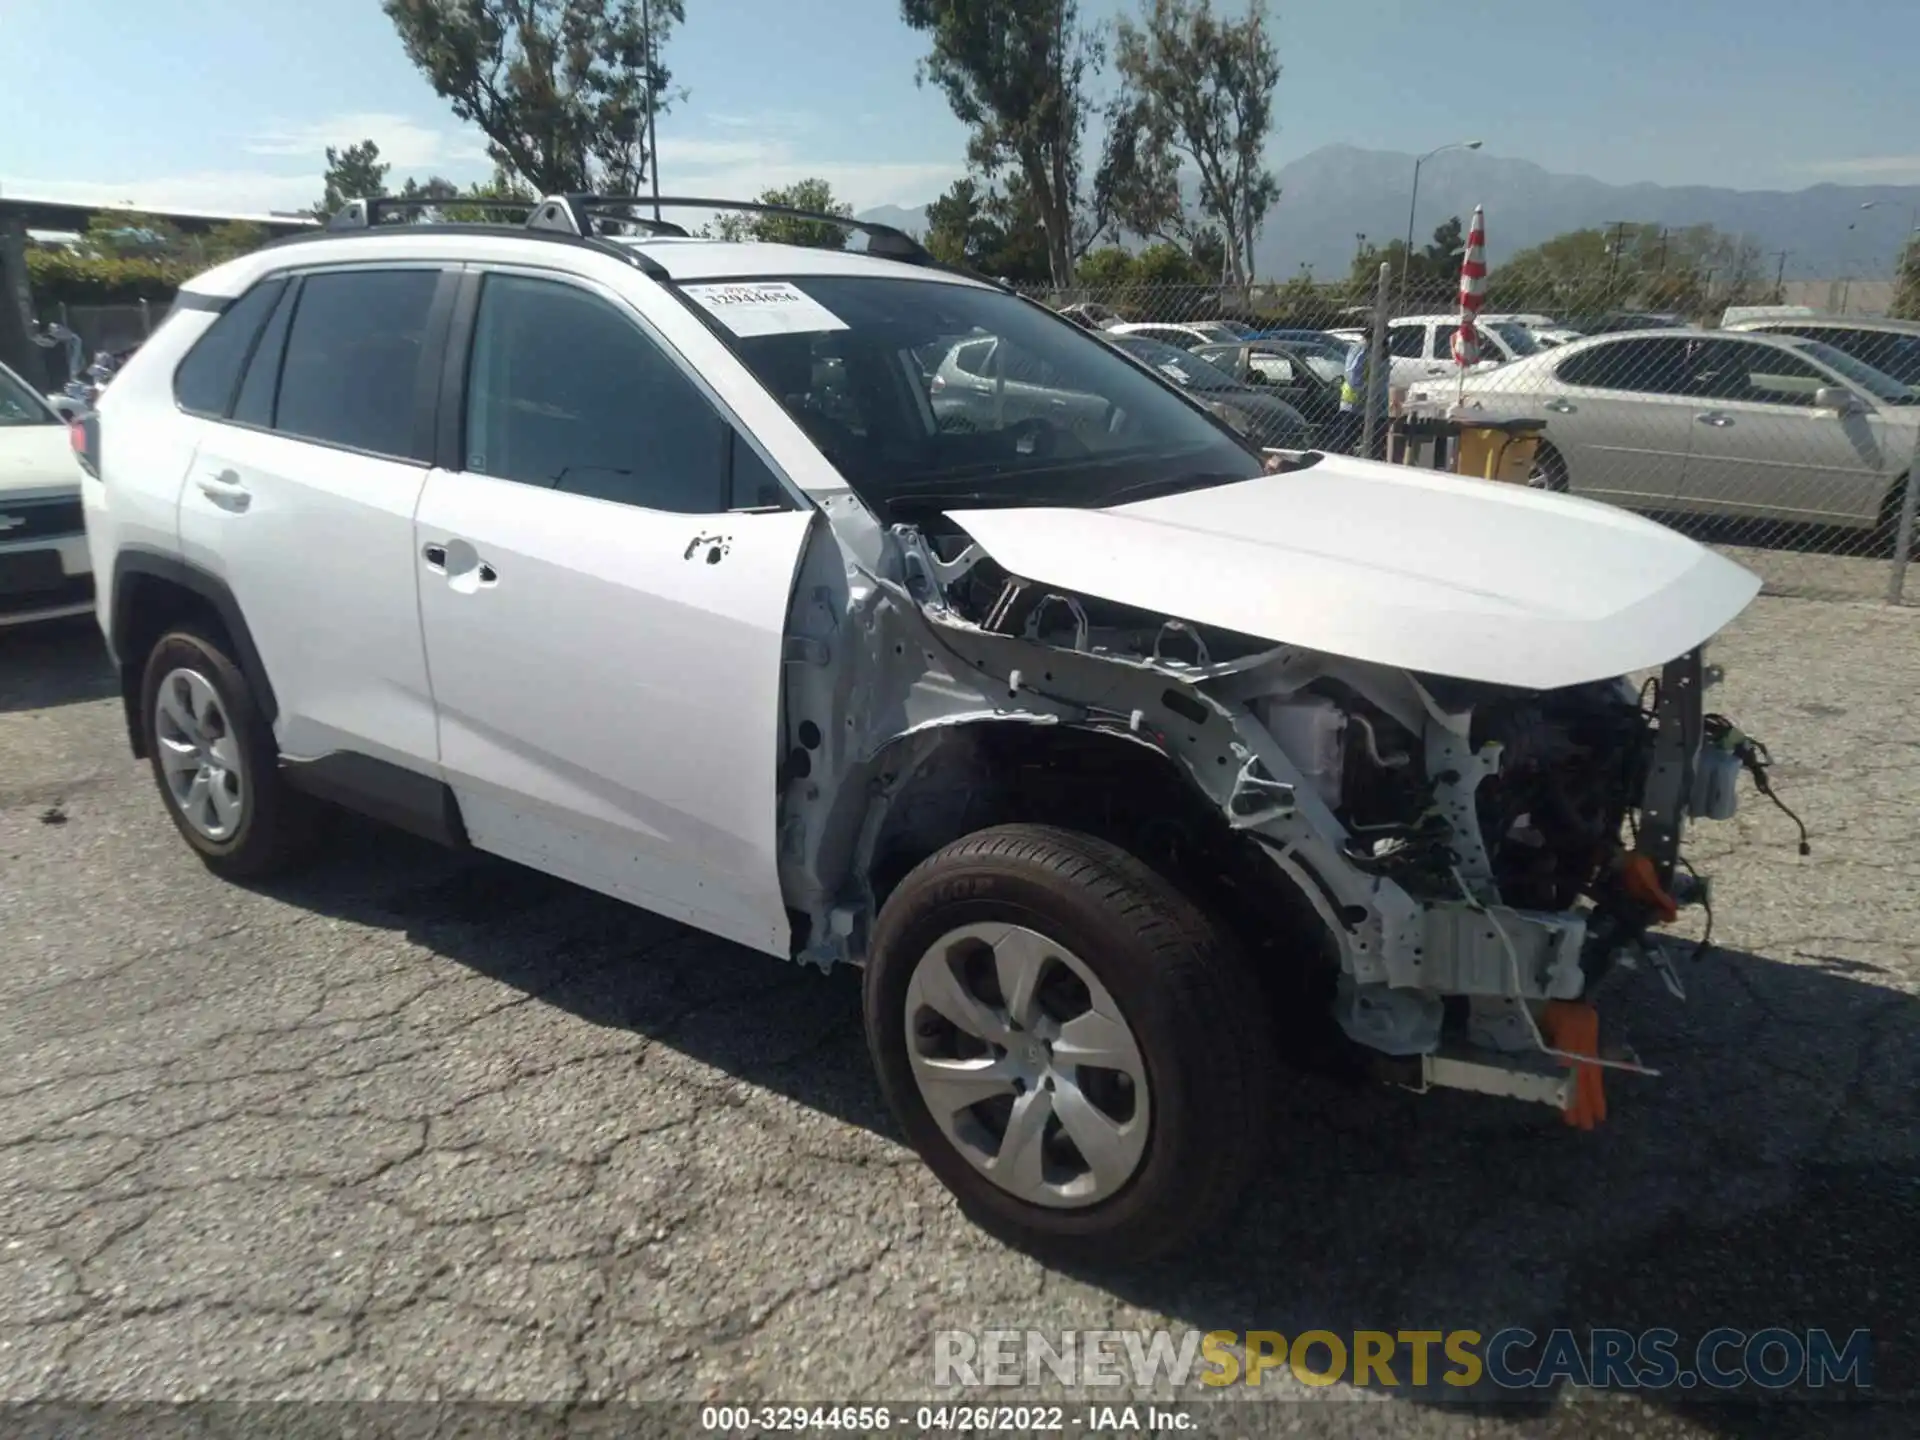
{"type": "Point", "coordinates": [226, 490]}
{"type": "Point", "coordinates": [1559, 407]}
{"type": "Point", "coordinates": [1715, 419]}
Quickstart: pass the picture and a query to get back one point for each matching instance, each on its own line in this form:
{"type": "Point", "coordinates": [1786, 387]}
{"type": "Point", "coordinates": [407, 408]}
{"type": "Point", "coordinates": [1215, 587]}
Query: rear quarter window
{"type": "Point", "coordinates": [205, 382]}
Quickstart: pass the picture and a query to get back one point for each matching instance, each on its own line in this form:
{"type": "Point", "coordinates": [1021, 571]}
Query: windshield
{"type": "Point", "coordinates": [928, 388]}
{"type": "Point", "coordinates": [1861, 375]}
{"type": "Point", "coordinates": [1183, 367]}
{"type": "Point", "coordinates": [1520, 340]}
{"type": "Point", "coordinates": [1886, 351]}
{"type": "Point", "coordinates": [20, 406]}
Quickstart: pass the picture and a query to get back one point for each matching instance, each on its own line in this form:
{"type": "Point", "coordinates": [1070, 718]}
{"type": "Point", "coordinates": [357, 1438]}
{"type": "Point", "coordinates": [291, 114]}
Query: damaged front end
{"type": "Point", "coordinates": [1474, 858]}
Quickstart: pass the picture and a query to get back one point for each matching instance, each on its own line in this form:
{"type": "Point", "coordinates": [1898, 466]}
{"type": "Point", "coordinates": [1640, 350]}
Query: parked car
{"type": "Point", "coordinates": [1183, 335]}
{"type": "Point", "coordinates": [1325, 351]}
{"type": "Point", "coordinates": [1889, 346]}
{"type": "Point", "coordinates": [1264, 418]}
{"type": "Point", "coordinates": [983, 384]}
{"type": "Point", "coordinates": [1618, 321]}
{"type": "Point", "coordinates": [1715, 423]}
{"type": "Point", "coordinates": [1116, 756]}
{"type": "Point", "coordinates": [45, 572]}
{"type": "Point", "coordinates": [1421, 346]}
{"type": "Point", "coordinates": [1288, 372]}
{"type": "Point", "coordinates": [1091, 314]}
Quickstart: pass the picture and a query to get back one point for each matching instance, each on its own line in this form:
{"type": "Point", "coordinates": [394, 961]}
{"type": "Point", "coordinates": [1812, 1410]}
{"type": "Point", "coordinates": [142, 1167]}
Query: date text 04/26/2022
{"type": "Point", "coordinates": [956, 1419]}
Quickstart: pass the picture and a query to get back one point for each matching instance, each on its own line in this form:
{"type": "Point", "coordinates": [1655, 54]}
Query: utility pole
{"type": "Point", "coordinates": [1619, 228]}
{"type": "Point", "coordinates": [1663, 249]}
{"type": "Point", "coordinates": [1780, 278]}
{"type": "Point", "coordinates": [1359, 244]}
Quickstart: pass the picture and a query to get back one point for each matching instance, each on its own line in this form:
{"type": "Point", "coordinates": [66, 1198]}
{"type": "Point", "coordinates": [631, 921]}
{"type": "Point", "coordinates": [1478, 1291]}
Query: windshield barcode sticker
{"type": "Point", "coordinates": [765, 307]}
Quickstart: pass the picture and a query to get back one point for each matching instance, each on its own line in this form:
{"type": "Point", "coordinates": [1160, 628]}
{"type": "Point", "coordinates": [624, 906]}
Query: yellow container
{"type": "Point", "coordinates": [1490, 452]}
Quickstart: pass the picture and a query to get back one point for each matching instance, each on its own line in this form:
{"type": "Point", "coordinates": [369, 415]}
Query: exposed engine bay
{"type": "Point", "coordinates": [1480, 857]}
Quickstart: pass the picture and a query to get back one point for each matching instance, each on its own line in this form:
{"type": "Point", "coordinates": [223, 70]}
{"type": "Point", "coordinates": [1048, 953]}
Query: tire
{"type": "Point", "coordinates": [263, 825]}
{"type": "Point", "coordinates": [1885, 536]}
{"type": "Point", "coordinates": [1185, 997]}
{"type": "Point", "coordinates": [1549, 470]}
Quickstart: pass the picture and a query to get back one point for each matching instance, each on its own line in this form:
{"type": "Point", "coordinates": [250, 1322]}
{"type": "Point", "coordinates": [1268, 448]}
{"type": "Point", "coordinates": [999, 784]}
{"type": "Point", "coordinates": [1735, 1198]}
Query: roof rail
{"type": "Point", "coordinates": [581, 211]}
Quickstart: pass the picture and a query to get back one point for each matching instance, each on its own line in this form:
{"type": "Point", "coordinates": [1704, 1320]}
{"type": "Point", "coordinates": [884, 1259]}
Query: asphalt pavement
{"type": "Point", "coordinates": [420, 1126]}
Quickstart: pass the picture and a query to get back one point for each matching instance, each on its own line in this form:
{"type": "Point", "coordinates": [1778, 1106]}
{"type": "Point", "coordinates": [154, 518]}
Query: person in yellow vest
{"type": "Point", "coordinates": [1353, 403]}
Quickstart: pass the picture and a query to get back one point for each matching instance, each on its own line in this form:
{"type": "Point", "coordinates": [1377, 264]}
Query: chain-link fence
{"type": "Point", "coordinates": [1785, 433]}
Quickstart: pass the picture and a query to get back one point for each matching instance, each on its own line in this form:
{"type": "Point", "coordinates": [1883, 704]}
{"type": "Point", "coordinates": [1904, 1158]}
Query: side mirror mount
{"type": "Point", "coordinates": [1838, 399]}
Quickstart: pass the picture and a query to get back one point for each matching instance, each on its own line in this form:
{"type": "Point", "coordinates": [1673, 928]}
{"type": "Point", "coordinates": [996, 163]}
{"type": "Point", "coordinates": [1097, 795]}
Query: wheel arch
{"type": "Point", "coordinates": [959, 778]}
{"type": "Point", "coordinates": [152, 593]}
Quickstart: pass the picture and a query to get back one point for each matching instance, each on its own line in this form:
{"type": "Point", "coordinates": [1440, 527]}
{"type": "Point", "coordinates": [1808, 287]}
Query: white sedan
{"type": "Point", "coordinates": [44, 569]}
{"type": "Point", "coordinates": [1712, 423]}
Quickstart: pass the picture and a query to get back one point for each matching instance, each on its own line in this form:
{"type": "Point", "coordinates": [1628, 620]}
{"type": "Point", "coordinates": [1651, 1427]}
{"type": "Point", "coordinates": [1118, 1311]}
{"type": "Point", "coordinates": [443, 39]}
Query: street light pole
{"type": "Point", "coordinates": [1413, 202]}
{"type": "Point", "coordinates": [653, 139]}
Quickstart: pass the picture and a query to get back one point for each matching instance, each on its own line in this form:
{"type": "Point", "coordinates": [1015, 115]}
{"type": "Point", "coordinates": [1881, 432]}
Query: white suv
{"type": "Point", "coordinates": [1119, 760]}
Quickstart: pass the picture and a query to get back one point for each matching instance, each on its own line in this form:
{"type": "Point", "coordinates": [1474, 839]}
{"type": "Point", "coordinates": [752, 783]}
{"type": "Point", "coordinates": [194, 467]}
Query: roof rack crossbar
{"type": "Point", "coordinates": [368, 211]}
{"type": "Point", "coordinates": [884, 241]}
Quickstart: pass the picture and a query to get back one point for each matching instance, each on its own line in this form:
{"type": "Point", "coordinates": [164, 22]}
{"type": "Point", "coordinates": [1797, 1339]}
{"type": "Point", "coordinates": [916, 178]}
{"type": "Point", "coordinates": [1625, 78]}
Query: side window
{"type": "Point", "coordinates": [254, 406]}
{"type": "Point", "coordinates": [565, 391]}
{"type": "Point", "coordinates": [352, 363]}
{"type": "Point", "coordinates": [1646, 367]}
{"type": "Point", "coordinates": [973, 357]}
{"type": "Point", "coordinates": [1729, 370]}
{"type": "Point", "coordinates": [1405, 341]}
{"type": "Point", "coordinates": [205, 382]}
{"type": "Point", "coordinates": [1443, 342]}
{"type": "Point", "coordinates": [1277, 369]}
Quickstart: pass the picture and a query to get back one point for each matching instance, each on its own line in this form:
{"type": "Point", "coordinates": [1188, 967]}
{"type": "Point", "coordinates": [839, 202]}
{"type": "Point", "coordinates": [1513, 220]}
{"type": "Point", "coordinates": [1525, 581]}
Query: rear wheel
{"type": "Point", "coordinates": [1886, 531]}
{"type": "Point", "coordinates": [1071, 1045]}
{"type": "Point", "coordinates": [1549, 470]}
{"type": "Point", "coordinates": [215, 761]}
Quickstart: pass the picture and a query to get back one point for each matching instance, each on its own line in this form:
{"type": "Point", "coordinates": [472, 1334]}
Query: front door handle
{"type": "Point", "coordinates": [1715, 419]}
{"type": "Point", "coordinates": [1559, 407]}
{"type": "Point", "coordinates": [226, 490]}
{"type": "Point", "coordinates": [435, 556]}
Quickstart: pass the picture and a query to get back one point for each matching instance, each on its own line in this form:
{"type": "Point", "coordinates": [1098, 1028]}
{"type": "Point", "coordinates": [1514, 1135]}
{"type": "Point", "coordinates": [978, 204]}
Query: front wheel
{"type": "Point", "coordinates": [1072, 1047]}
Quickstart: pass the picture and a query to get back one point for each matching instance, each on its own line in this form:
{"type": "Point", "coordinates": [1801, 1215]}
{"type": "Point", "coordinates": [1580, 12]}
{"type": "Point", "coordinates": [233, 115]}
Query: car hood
{"type": "Point", "coordinates": [1429, 572]}
{"type": "Point", "coordinates": [36, 457]}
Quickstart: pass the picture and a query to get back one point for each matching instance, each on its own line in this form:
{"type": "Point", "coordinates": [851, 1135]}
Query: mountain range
{"type": "Point", "coordinates": [1331, 195]}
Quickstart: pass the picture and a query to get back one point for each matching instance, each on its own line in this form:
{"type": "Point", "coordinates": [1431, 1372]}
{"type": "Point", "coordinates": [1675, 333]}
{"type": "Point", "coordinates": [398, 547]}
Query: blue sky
{"type": "Point", "coordinates": [221, 104]}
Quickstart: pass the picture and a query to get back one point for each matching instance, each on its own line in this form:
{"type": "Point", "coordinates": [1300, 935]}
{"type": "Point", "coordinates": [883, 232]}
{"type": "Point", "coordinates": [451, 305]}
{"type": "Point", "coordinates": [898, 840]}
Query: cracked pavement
{"type": "Point", "coordinates": [421, 1126]}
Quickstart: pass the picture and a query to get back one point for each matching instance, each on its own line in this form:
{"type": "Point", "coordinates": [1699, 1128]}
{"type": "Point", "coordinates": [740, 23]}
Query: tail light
{"type": "Point", "coordinates": [84, 435]}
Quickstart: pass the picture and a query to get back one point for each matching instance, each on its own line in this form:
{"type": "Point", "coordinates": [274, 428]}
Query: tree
{"type": "Point", "coordinates": [1107, 268]}
{"type": "Point", "coordinates": [1196, 92]}
{"type": "Point", "coordinates": [1015, 74]}
{"type": "Point", "coordinates": [960, 226]}
{"type": "Point", "coordinates": [812, 194]}
{"type": "Point", "coordinates": [352, 174]}
{"type": "Point", "coordinates": [1691, 270]}
{"type": "Point", "coordinates": [1906, 291]}
{"type": "Point", "coordinates": [1434, 271]}
{"type": "Point", "coordinates": [558, 87]}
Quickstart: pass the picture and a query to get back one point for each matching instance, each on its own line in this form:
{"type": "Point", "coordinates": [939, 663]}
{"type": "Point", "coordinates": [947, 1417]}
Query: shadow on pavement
{"type": "Point", "coordinates": [54, 662]}
{"type": "Point", "coordinates": [1766, 1180]}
